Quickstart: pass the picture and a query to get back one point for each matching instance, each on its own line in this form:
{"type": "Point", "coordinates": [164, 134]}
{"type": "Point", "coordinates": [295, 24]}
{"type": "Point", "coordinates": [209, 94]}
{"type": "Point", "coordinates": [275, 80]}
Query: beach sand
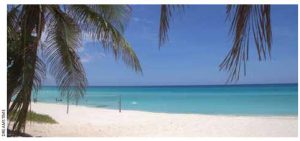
{"type": "Point", "coordinates": [98, 122]}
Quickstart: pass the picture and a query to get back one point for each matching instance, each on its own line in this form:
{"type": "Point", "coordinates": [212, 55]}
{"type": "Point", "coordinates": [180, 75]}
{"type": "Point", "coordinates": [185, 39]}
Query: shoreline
{"type": "Point", "coordinates": [229, 115]}
{"type": "Point", "coordinates": [100, 122]}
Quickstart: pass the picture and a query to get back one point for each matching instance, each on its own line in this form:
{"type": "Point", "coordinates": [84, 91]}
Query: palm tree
{"type": "Point", "coordinates": [65, 25]}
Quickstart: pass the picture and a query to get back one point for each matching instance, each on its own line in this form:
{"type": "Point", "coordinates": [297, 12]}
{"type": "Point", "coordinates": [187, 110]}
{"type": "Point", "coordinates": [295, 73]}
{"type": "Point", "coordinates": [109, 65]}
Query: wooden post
{"type": "Point", "coordinates": [120, 110]}
{"type": "Point", "coordinates": [68, 103]}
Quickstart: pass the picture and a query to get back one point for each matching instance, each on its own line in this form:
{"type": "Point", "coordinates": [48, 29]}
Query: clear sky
{"type": "Point", "coordinates": [198, 42]}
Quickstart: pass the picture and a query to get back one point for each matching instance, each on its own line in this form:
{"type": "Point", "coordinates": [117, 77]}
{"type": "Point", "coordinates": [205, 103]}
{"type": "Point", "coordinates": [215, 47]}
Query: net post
{"type": "Point", "coordinates": [120, 102]}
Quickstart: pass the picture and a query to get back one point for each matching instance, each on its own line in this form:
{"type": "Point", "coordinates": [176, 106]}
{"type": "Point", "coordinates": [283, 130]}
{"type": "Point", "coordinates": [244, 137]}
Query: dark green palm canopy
{"type": "Point", "coordinates": [63, 28]}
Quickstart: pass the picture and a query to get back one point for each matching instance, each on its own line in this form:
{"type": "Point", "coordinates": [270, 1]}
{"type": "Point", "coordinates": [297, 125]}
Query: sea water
{"type": "Point", "coordinates": [267, 99]}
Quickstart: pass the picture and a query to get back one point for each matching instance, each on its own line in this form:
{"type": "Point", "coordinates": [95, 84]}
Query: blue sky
{"type": "Point", "coordinates": [198, 42]}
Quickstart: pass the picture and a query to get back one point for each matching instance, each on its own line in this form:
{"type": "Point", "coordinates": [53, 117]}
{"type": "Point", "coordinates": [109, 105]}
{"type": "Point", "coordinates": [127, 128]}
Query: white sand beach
{"type": "Point", "coordinates": [98, 122]}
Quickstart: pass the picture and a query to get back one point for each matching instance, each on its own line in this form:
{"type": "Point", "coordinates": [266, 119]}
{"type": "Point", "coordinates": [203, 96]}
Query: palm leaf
{"type": "Point", "coordinates": [244, 20]}
{"type": "Point", "coordinates": [166, 12]}
{"type": "Point", "coordinates": [107, 29]}
{"type": "Point", "coordinates": [116, 15]}
{"type": "Point", "coordinates": [12, 22]}
{"type": "Point", "coordinates": [14, 66]}
{"type": "Point", "coordinates": [63, 39]}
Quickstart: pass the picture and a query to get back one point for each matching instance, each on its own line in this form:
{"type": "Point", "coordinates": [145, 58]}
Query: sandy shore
{"type": "Point", "coordinates": [92, 122]}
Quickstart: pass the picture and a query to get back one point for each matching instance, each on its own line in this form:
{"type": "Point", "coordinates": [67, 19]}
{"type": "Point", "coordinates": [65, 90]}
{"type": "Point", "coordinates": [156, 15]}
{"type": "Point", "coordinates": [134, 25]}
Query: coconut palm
{"type": "Point", "coordinates": [64, 26]}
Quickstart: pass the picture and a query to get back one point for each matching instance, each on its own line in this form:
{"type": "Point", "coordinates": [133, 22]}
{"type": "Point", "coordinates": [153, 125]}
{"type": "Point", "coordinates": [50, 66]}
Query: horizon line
{"type": "Point", "coordinates": [181, 85]}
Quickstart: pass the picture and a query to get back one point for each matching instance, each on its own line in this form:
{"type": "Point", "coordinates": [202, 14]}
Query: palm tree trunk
{"type": "Point", "coordinates": [13, 73]}
{"type": "Point", "coordinates": [20, 105]}
{"type": "Point", "coordinates": [9, 96]}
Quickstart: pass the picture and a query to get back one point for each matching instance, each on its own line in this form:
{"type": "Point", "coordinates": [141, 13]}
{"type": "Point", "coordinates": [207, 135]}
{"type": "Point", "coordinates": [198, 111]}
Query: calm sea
{"type": "Point", "coordinates": [270, 99]}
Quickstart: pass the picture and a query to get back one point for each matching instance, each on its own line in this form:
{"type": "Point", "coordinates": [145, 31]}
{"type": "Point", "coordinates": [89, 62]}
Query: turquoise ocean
{"type": "Point", "coordinates": [266, 99]}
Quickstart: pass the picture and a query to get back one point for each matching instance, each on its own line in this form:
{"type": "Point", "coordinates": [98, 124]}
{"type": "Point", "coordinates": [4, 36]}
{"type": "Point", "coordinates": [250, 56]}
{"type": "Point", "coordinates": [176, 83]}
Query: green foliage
{"type": "Point", "coordinates": [63, 26]}
{"type": "Point", "coordinates": [39, 118]}
{"type": "Point", "coordinates": [247, 20]}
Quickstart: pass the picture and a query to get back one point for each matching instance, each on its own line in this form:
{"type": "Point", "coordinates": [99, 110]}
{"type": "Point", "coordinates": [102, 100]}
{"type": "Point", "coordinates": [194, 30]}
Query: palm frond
{"type": "Point", "coordinates": [12, 21]}
{"type": "Point", "coordinates": [63, 39]}
{"type": "Point", "coordinates": [106, 29]}
{"type": "Point", "coordinates": [14, 66]}
{"type": "Point", "coordinates": [116, 15]}
{"type": "Point", "coordinates": [244, 20]}
{"type": "Point", "coordinates": [39, 73]}
{"type": "Point", "coordinates": [166, 12]}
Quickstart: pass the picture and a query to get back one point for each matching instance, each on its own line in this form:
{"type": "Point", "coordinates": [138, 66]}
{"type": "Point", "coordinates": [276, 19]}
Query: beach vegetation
{"type": "Point", "coordinates": [36, 117]}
